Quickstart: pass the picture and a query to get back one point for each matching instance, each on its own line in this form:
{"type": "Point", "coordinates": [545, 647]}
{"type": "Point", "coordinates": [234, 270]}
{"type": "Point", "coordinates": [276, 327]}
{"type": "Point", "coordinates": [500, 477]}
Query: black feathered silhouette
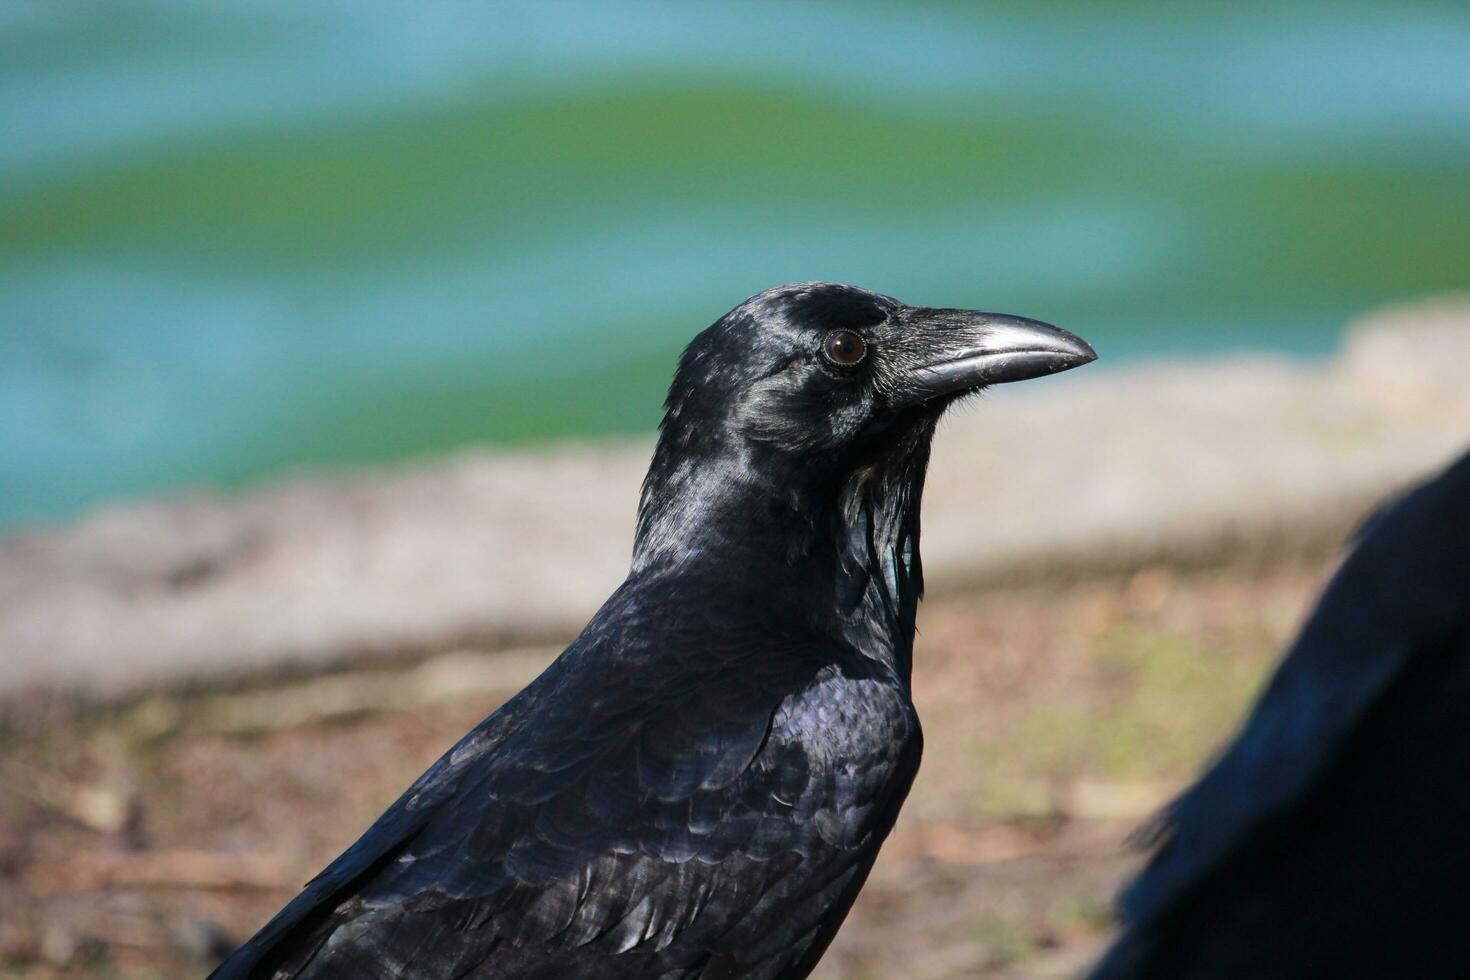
{"type": "Point", "coordinates": [699, 785]}
{"type": "Point", "coordinates": [1330, 840]}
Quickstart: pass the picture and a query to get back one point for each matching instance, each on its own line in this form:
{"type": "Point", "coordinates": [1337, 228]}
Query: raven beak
{"type": "Point", "coordinates": [963, 350]}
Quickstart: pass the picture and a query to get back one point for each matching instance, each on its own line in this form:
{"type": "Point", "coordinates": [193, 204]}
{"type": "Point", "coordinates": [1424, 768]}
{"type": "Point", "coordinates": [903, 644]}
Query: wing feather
{"type": "Point", "coordinates": [610, 813]}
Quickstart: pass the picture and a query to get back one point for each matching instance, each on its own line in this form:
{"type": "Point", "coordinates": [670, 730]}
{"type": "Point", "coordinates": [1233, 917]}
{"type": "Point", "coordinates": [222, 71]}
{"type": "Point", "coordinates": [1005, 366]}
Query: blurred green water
{"type": "Point", "coordinates": [251, 236]}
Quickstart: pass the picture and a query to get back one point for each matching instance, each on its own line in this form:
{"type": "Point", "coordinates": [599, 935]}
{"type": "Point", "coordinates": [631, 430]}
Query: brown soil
{"type": "Point", "coordinates": [136, 841]}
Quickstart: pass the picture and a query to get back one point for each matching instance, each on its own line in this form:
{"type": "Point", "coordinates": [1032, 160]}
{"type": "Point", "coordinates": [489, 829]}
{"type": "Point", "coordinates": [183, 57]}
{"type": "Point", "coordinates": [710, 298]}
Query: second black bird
{"type": "Point", "coordinates": [700, 784]}
{"type": "Point", "coordinates": [1328, 840]}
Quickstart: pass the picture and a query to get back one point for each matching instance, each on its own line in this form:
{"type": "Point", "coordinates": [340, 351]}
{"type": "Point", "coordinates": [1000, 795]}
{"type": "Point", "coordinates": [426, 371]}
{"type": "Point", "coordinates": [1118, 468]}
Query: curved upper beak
{"type": "Point", "coordinates": [955, 351]}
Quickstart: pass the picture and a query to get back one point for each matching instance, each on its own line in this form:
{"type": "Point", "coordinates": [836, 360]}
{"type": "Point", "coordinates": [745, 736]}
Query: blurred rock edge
{"type": "Point", "coordinates": [1186, 463]}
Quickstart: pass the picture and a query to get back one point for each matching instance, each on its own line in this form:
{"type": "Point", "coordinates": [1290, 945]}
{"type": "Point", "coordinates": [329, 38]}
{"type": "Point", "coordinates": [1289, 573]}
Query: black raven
{"type": "Point", "coordinates": [699, 785]}
{"type": "Point", "coordinates": [1330, 839]}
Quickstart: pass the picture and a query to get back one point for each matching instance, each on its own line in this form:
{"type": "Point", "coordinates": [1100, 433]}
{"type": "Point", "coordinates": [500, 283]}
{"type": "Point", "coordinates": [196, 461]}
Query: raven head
{"type": "Point", "coordinates": [824, 370]}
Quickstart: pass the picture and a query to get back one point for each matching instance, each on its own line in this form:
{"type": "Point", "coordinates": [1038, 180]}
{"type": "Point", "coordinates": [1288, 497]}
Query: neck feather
{"type": "Point", "coordinates": [853, 537]}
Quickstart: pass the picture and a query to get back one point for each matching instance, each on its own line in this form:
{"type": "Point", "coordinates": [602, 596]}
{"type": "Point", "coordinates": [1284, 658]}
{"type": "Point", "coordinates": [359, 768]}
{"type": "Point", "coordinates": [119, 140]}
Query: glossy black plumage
{"type": "Point", "coordinates": [1330, 840]}
{"type": "Point", "coordinates": [699, 785]}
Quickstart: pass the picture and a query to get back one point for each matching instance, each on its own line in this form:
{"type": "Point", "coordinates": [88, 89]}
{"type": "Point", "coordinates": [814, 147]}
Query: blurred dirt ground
{"type": "Point", "coordinates": [142, 840]}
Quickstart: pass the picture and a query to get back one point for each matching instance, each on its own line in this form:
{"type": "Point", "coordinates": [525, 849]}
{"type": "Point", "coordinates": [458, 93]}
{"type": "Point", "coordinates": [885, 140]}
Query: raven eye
{"type": "Point", "coordinates": [845, 348]}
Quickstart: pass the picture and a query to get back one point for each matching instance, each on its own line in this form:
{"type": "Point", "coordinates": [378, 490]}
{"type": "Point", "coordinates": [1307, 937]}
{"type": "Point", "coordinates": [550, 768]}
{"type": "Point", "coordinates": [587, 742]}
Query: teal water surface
{"type": "Point", "coordinates": [248, 236]}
